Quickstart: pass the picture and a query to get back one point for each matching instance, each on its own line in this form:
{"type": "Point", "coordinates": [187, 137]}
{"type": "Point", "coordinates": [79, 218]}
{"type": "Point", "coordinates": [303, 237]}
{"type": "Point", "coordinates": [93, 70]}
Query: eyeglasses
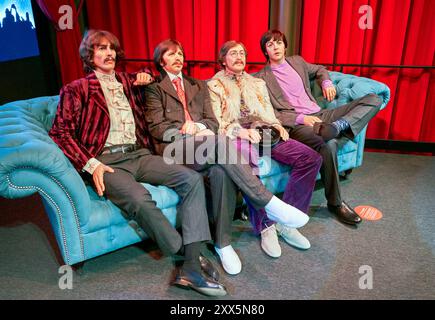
{"type": "Point", "coordinates": [234, 54]}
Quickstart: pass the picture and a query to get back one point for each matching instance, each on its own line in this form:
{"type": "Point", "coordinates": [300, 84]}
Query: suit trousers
{"type": "Point", "coordinates": [357, 113]}
{"type": "Point", "coordinates": [123, 188]}
{"type": "Point", "coordinates": [305, 164]}
{"type": "Point", "coordinates": [217, 158]}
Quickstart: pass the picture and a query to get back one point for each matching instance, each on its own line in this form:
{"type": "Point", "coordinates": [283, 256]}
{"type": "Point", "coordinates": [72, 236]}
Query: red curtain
{"type": "Point", "coordinates": [403, 34]}
{"type": "Point", "coordinates": [202, 26]}
{"type": "Point", "coordinates": [68, 40]}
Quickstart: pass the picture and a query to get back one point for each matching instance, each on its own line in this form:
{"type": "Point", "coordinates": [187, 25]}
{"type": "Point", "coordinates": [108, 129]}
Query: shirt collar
{"type": "Point", "coordinates": [106, 77]}
{"type": "Point", "coordinates": [175, 76]}
{"type": "Point", "coordinates": [278, 66]}
{"type": "Point", "coordinates": [233, 76]}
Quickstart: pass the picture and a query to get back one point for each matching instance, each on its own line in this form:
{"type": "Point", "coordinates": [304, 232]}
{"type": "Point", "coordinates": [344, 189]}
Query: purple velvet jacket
{"type": "Point", "coordinates": [82, 122]}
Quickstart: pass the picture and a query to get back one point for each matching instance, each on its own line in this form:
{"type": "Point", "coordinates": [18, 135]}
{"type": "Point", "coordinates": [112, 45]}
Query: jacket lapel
{"type": "Point", "coordinates": [190, 90]}
{"type": "Point", "coordinates": [272, 83]}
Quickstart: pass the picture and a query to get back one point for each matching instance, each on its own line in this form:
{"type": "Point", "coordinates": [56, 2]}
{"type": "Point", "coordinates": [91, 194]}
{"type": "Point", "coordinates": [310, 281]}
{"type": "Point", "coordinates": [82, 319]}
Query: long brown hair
{"type": "Point", "coordinates": [91, 39]}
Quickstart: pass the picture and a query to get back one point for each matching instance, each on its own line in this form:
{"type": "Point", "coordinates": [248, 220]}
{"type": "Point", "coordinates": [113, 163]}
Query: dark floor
{"type": "Point", "coordinates": [399, 249]}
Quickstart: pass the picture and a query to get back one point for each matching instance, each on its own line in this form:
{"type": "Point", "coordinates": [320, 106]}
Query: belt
{"type": "Point", "coordinates": [124, 148]}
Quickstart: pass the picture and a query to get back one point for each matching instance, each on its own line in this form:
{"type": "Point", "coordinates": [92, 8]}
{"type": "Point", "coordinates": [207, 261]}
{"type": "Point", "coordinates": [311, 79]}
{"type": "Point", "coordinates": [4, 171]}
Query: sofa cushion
{"type": "Point", "coordinates": [104, 213]}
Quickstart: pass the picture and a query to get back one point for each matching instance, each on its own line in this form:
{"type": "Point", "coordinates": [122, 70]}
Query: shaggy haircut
{"type": "Point", "coordinates": [162, 48]}
{"type": "Point", "coordinates": [93, 38]}
{"type": "Point", "coordinates": [274, 35]}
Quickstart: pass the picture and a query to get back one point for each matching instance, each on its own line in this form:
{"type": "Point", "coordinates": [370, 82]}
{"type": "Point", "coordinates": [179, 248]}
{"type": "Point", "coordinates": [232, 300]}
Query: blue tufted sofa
{"type": "Point", "coordinates": [86, 225]}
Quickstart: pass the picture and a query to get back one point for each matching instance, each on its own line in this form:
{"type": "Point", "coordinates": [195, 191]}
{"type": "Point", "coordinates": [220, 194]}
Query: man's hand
{"type": "Point", "coordinates": [310, 120]}
{"type": "Point", "coordinates": [250, 135]}
{"type": "Point", "coordinates": [329, 93]}
{"type": "Point", "coordinates": [98, 177]}
{"type": "Point", "coordinates": [142, 79]}
{"type": "Point", "coordinates": [205, 132]}
{"type": "Point", "coordinates": [189, 127]}
{"type": "Point", "coordinates": [282, 132]}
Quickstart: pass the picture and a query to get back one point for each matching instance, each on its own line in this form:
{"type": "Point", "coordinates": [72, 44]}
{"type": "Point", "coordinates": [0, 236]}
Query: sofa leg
{"type": "Point", "coordinates": [78, 267]}
{"type": "Point", "coordinates": [347, 174]}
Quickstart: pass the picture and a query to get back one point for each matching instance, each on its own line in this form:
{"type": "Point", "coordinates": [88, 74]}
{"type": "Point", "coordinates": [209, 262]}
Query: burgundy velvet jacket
{"type": "Point", "coordinates": [82, 122]}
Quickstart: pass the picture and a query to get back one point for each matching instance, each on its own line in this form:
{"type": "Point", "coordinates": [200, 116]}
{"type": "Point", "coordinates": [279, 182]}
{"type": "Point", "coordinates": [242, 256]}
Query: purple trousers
{"type": "Point", "coordinates": [305, 163]}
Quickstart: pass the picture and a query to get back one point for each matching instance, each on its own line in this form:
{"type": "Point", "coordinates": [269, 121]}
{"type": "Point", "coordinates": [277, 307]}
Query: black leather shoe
{"type": "Point", "coordinates": [208, 268]}
{"type": "Point", "coordinates": [325, 130]}
{"type": "Point", "coordinates": [345, 213]}
{"type": "Point", "coordinates": [189, 279]}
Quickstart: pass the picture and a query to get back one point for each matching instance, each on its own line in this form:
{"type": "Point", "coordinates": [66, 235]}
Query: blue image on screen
{"type": "Point", "coordinates": [17, 30]}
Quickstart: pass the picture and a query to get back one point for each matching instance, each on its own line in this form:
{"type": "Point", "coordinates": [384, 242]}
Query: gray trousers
{"type": "Point", "coordinates": [357, 113]}
{"type": "Point", "coordinates": [217, 158]}
{"type": "Point", "coordinates": [125, 191]}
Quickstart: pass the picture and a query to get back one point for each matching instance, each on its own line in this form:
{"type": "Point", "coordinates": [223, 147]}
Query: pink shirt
{"type": "Point", "coordinates": [294, 91]}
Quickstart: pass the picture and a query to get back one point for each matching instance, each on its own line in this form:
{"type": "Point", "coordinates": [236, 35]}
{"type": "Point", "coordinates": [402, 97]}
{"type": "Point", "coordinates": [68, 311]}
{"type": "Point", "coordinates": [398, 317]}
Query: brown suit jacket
{"type": "Point", "coordinates": [164, 111]}
{"type": "Point", "coordinates": [285, 112]}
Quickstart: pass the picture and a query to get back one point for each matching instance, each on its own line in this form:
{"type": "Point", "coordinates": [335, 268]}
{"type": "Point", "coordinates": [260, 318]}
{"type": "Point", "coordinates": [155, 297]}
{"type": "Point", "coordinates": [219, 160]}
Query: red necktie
{"type": "Point", "coordinates": [181, 95]}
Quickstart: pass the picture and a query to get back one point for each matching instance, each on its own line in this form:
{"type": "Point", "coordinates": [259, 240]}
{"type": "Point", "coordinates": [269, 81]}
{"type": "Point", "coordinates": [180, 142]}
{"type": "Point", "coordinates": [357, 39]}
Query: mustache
{"type": "Point", "coordinates": [239, 61]}
{"type": "Point", "coordinates": [109, 59]}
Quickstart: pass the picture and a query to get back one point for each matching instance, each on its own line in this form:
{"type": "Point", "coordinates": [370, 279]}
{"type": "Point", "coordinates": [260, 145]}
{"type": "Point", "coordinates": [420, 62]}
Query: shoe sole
{"type": "Point", "coordinates": [294, 245]}
{"type": "Point", "coordinates": [289, 242]}
{"type": "Point", "coordinates": [208, 292]}
{"type": "Point", "coordinates": [350, 223]}
{"type": "Point", "coordinates": [271, 256]}
{"type": "Point", "coordinates": [268, 253]}
{"type": "Point", "coordinates": [289, 225]}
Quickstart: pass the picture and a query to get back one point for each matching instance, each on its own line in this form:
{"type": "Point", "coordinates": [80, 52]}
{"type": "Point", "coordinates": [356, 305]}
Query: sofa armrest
{"type": "Point", "coordinates": [349, 88]}
{"type": "Point", "coordinates": [31, 162]}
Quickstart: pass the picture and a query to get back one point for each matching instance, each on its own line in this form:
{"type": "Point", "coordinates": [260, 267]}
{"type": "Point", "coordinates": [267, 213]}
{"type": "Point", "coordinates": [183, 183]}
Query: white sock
{"type": "Point", "coordinates": [279, 211]}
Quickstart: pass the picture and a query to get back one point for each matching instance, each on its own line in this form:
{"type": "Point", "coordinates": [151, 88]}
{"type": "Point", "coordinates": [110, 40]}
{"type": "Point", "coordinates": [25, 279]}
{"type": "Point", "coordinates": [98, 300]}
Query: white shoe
{"type": "Point", "coordinates": [229, 259]}
{"type": "Point", "coordinates": [293, 237]}
{"type": "Point", "coordinates": [270, 243]}
{"type": "Point", "coordinates": [281, 212]}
